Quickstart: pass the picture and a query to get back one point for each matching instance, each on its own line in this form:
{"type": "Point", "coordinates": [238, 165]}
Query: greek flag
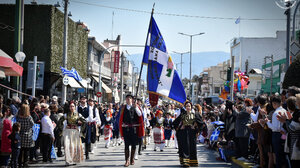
{"type": "Point", "coordinates": [163, 79]}
{"type": "Point", "coordinates": [53, 153]}
{"type": "Point", "coordinates": [71, 73]}
{"type": "Point", "coordinates": [214, 136]}
{"type": "Point", "coordinates": [36, 130]}
{"type": "Point", "coordinates": [238, 20]}
{"type": "Point", "coordinates": [222, 154]}
{"type": "Point", "coordinates": [147, 102]}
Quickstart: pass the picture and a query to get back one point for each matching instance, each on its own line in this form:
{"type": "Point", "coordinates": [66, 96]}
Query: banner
{"type": "Point", "coordinates": [116, 61]}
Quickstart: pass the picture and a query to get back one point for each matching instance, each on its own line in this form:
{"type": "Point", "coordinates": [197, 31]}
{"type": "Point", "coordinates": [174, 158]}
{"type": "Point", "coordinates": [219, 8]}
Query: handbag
{"type": "Point", "coordinates": [295, 152]}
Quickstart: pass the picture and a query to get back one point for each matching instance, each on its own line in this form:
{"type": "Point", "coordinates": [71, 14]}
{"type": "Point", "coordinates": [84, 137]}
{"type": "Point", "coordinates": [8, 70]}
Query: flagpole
{"type": "Point", "coordinates": [149, 30]}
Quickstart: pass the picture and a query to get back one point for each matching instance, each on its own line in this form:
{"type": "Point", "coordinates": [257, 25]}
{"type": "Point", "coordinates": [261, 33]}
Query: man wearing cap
{"type": "Point", "coordinates": [92, 117]}
{"type": "Point", "coordinates": [131, 127]}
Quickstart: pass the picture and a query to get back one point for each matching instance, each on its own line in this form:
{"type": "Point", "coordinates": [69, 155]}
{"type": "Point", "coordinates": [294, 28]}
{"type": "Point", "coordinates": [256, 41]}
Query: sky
{"type": "Point", "coordinates": [133, 26]}
{"type": "Point", "coordinates": [131, 20]}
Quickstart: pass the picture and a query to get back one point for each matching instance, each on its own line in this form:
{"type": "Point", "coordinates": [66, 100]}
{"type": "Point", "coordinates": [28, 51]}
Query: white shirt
{"type": "Point", "coordinates": [138, 111]}
{"type": "Point", "coordinates": [276, 125]}
{"type": "Point", "coordinates": [177, 112]}
{"type": "Point", "coordinates": [91, 117]}
{"type": "Point", "coordinates": [255, 116]}
{"type": "Point", "coordinates": [47, 126]}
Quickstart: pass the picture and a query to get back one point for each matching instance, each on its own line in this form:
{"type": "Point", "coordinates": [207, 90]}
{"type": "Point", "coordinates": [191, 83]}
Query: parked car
{"type": "Point", "coordinates": [213, 100]}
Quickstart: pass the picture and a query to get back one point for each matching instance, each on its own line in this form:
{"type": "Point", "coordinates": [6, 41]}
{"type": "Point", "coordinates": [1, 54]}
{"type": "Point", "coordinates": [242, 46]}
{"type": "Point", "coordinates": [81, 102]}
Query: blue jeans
{"type": "Point", "coordinates": [15, 156]}
{"type": "Point", "coordinates": [4, 160]}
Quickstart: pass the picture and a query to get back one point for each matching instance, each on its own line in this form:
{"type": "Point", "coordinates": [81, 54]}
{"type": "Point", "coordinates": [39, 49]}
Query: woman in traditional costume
{"type": "Point", "coordinates": [70, 124]}
{"type": "Point", "coordinates": [108, 128]}
{"type": "Point", "coordinates": [158, 131]}
{"type": "Point", "coordinates": [188, 124]}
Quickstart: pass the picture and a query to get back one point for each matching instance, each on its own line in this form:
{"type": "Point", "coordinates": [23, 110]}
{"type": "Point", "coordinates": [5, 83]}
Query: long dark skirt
{"type": "Point", "coordinates": [189, 147]}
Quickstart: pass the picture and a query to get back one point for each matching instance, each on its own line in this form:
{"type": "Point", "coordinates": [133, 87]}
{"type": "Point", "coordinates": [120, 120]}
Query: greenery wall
{"type": "Point", "coordinates": [77, 44]}
{"type": "Point", "coordinates": [43, 37]}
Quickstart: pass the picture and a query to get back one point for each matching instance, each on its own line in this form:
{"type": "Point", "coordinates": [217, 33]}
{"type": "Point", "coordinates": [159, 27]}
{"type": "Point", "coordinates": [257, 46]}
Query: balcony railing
{"type": "Point", "coordinates": [94, 69]}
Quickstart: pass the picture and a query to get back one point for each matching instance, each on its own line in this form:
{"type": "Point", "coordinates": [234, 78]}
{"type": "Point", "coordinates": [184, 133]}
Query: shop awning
{"type": "Point", "coordinates": [84, 83]}
{"type": "Point", "coordinates": [8, 65]}
{"type": "Point", "coordinates": [73, 83]}
{"type": "Point", "coordinates": [104, 86]}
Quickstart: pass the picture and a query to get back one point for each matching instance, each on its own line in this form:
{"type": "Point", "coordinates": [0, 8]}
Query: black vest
{"type": "Point", "coordinates": [130, 116]}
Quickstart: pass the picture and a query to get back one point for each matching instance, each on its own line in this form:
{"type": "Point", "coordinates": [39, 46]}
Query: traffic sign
{"type": "Point", "coordinates": [65, 80]}
{"type": "Point", "coordinates": [295, 48]}
{"type": "Point", "coordinates": [98, 94]}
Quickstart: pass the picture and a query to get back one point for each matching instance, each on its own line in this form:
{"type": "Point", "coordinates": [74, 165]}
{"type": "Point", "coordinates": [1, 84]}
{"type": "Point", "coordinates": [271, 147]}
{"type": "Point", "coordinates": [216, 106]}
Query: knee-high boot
{"type": "Point", "coordinates": [132, 156]}
{"type": "Point", "coordinates": [126, 158]}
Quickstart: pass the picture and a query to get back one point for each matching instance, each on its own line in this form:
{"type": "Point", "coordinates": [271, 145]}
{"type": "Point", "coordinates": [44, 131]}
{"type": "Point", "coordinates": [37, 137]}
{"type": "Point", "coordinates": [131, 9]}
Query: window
{"type": "Point", "coordinates": [217, 90]}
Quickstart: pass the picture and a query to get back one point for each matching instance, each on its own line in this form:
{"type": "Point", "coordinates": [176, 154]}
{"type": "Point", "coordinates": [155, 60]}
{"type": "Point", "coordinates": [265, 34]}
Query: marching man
{"type": "Point", "coordinates": [131, 128]}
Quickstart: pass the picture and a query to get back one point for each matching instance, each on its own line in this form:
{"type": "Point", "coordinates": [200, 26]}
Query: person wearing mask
{"type": "Point", "coordinates": [26, 133]}
{"type": "Point", "coordinates": [190, 124]}
{"type": "Point", "coordinates": [276, 127]}
{"type": "Point", "coordinates": [47, 136]}
{"type": "Point", "coordinates": [69, 124]}
{"type": "Point", "coordinates": [130, 127]}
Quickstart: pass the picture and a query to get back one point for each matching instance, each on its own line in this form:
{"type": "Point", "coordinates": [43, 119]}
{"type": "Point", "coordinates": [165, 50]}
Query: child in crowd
{"type": "Point", "coordinates": [15, 144]}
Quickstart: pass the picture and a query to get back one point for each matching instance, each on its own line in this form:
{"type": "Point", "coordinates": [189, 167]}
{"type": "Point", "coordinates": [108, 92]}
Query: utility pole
{"type": "Point", "coordinates": [288, 21]}
{"type": "Point", "coordinates": [191, 42]}
{"type": "Point", "coordinates": [122, 71]}
{"type": "Point", "coordinates": [65, 49]}
{"type": "Point", "coordinates": [232, 78]}
{"type": "Point", "coordinates": [180, 61]}
{"type": "Point", "coordinates": [34, 76]}
{"type": "Point", "coordinates": [271, 71]}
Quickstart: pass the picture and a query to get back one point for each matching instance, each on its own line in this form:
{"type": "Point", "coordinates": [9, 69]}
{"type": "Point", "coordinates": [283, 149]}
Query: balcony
{"type": "Point", "coordinates": [94, 70]}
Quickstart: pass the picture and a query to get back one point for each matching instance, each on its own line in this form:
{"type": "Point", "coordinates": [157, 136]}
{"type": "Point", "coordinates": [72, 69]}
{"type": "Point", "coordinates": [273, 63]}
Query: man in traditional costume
{"type": "Point", "coordinates": [168, 128]}
{"type": "Point", "coordinates": [93, 120]}
{"type": "Point", "coordinates": [131, 127]}
{"type": "Point", "coordinates": [188, 125]}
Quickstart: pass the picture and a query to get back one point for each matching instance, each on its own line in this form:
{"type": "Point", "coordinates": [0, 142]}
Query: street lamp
{"type": "Point", "coordinates": [191, 37]}
{"type": "Point", "coordinates": [20, 57]}
{"type": "Point", "coordinates": [181, 53]}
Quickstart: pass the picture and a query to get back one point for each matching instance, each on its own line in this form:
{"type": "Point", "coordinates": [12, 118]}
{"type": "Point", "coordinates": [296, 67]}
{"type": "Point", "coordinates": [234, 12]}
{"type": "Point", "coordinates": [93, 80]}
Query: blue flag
{"type": "Point", "coordinates": [71, 73]}
{"type": "Point", "coordinates": [162, 78]}
{"type": "Point", "coordinates": [238, 20]}
{"type": "Point", "coordinates": [215, 135]}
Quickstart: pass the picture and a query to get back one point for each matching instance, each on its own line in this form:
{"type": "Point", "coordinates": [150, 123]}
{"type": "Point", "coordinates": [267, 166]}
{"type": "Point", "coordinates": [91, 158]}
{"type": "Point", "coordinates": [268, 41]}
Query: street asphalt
{"type": "Point", "coordinates": [114, 157]}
